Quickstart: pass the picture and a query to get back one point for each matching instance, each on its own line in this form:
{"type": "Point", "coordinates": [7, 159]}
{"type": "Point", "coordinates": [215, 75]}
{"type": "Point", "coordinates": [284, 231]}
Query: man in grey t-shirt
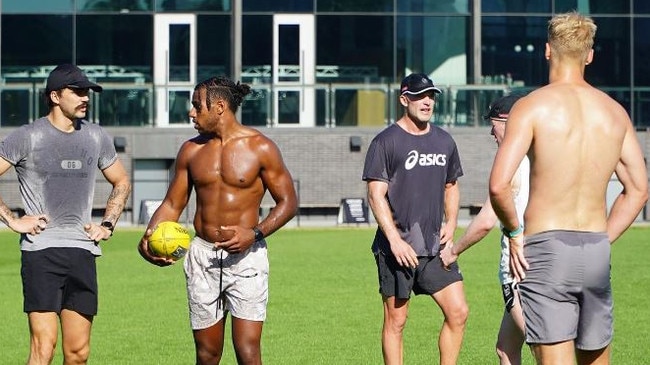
{"type": "Point", "coordinates": [412, 169]}
{"type": "Point", "coordinates": [56, 159]}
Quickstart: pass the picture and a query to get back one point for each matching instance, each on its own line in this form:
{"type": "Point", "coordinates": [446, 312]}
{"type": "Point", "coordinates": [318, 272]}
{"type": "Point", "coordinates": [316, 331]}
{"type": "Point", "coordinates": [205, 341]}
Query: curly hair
{"type": "Point", "coordinates": [225, 89]}
{"type": "Point", "coordinates": [571, 34]}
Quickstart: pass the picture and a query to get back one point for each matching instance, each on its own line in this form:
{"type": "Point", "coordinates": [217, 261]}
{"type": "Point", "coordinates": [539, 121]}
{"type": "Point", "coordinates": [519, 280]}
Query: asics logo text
{"type": "Point", "coordinates": [424, 159]}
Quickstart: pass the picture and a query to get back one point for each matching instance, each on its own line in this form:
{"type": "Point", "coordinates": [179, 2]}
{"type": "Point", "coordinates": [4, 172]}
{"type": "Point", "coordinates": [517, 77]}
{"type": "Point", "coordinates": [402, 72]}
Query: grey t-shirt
{"type": "Point", "coordinates": [416, 168]}
{"type": "Point", "coordinates": [56, 173]}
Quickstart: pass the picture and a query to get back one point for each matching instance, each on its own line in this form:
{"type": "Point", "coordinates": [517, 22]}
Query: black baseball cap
{"type": "Point", "coordinates": [67, 75]}
{"type": "Point", "coordinates": [415, 84]}
{"type": "Point", "coordinates": [500, 108]}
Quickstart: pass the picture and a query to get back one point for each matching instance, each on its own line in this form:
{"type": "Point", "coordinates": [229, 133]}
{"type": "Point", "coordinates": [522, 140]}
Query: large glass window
{"type": "Point", "coordinates": [35, 6]}
{"type": "Point", "coordinates": [611, 65]}
{"type": "Point", "coordinates": [36, 40]}
{"type": "Point", "coordinates": [356, 5]}
{"type": "Point", "coordinates": [120, 57]}
{"type": "Point", "coordinates": [278, 6]}
{"type": "Point", "coordinates": [641, 52]}
{"type": "Point", "coordinates": [256, 107]}
{"type": "Point", "coordinates": [593, 6]}
{"type": "Point", "coordinates": [642, 7]}
{"type": "Point", "coordinates": [436, 46]}
{"type": "Point", "coordinates": [15, 106]}
{"type": "Point", "coordinates": [125, 106]}
{"type": "Point", "coordinates": [193, 5]}
{"type": "Point", "coordinates": [605, 7]}
{"type": "Point", "coordinates": [448, 6]}
{"type": "Point", "coordinates": [359, 47]}
{"type": "Point", "coordinates": [257, 47]}
{"type": "Point", "coordinates": [513, 50]}
{"type": "Point", "coordinates": [113, 5]}
{"type": "Point", "coordinates": [562, 6]}
{"type": "Point", "coordinates": [123, 46]}
{"type": "Point", "coordinates": [516, 6]}
{"type": "Point", "coordinates": [642, 108]}
{"type": "Point", "coordinates": [214, 46]}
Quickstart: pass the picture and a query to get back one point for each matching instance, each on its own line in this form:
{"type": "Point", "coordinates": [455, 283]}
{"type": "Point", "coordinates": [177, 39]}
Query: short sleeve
{"type": "Point", "coordinates": [376, 164]}
{"type": "Point", "coordinates": [15, 146]}
{"type": "Point", "coordinates": [454, 168]}
{"type": "Point", "coordinates": [107, 152]}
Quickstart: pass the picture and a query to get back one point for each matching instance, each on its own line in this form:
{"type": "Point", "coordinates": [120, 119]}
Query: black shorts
{"type": "Point", "coordinates": [428, 278]}
{"type": "Point", "coordinates": [59, 278]}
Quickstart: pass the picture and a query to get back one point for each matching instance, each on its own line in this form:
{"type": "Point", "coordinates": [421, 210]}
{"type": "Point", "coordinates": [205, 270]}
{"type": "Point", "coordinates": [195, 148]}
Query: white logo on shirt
{"type": "Point", "coordinates": [71, 165]}
{"type": "Point", "coordinates": [424, 159]}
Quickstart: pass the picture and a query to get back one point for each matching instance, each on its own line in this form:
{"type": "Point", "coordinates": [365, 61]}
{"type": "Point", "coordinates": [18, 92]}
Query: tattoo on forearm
{"type": "Point", "coordinates": [116, 202]}
{"type": "Point", "coordinates": [5, 213]}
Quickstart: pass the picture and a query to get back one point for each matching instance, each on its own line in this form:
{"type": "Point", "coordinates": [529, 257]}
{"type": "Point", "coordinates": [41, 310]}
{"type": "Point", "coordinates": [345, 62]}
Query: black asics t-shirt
{"type": "Point", "coordinates": [416, 168]}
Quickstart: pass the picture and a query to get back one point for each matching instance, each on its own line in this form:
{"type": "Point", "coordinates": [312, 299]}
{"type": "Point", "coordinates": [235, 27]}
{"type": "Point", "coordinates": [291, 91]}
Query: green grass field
{"type": "Point", "coordinates": [324, 307]}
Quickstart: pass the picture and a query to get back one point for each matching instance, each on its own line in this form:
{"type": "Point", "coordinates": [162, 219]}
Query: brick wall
{"type": "Point", "coordinates": [320, 160]}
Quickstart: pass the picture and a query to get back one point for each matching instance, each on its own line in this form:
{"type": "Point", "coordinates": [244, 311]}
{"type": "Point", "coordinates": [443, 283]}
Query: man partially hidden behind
{"type": "Point", "coordinates": [576, 137]}
{"type": "Point", "coordinates": [511, 333]}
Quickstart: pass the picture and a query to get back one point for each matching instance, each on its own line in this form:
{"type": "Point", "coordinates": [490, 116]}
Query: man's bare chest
{"type": "Point", "coordinates": [237, 168]}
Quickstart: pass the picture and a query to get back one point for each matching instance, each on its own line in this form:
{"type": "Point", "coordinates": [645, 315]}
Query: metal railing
{"type": "Point", "coordinates": [337, 104]}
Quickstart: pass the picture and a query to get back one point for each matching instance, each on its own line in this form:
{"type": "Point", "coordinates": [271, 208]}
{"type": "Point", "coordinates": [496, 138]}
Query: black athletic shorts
{"type": "Point", "coordinates": [59, 278]}
{"type": "Point", "coordinates": [428, 278]}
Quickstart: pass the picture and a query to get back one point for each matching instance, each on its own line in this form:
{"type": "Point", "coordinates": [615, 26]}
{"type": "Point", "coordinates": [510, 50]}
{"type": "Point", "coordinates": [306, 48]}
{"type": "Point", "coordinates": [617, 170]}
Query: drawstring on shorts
{"type": "Point", "coordinates": [221, 299]}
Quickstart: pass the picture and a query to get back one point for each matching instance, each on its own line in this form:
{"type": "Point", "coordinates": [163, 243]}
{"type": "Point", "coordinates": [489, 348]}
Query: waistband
{"type": "Point", "coordinates": [200, 241]}
{"type": "Point", "coordinates": [204, 244]}
{"type": "Point", "coordinates": [568, 235]}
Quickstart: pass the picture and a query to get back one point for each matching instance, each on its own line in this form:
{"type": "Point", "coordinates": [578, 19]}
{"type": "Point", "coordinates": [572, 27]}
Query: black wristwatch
{"type": "Point", "coordinates": [258, 234]}
{"type": "Point", "coordinates": [108, 225]}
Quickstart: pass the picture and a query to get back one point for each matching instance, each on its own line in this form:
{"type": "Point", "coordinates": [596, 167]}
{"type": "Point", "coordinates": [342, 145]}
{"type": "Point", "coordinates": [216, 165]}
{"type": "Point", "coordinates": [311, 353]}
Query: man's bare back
{"type": "Point", "coordinates": [578, 135]}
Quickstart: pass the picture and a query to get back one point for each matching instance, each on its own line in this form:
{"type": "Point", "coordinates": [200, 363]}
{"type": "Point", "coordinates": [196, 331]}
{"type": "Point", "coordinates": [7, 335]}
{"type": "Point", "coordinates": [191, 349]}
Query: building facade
{"type": "Point", "coordinates": [325, 73]}
{"type": "Point", "coordinates": [313, 63]}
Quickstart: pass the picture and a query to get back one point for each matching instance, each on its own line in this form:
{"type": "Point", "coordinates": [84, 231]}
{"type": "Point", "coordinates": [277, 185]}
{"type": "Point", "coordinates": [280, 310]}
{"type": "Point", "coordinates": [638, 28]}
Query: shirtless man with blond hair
{"type": "Point", "coordinates": [230, 167]}
{"type": "Point", "coordinates": [576, 137]}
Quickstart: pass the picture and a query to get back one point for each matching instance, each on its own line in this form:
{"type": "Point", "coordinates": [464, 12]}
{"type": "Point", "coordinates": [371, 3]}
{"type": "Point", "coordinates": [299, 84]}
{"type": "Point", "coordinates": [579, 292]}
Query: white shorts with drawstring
{"type": "Point", "coordinates": [218, 282]}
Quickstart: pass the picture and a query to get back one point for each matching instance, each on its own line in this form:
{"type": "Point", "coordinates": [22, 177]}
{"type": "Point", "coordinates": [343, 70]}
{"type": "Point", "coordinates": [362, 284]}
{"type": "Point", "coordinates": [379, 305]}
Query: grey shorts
{"type": "Point", "coordinates": [566, 294]}
{"type": "Point", "coordinates": [428, 278]}
{"type": "Point", "coordinates": [218, 282]}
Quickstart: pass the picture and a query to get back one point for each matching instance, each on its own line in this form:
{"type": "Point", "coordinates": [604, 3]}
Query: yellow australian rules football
{"type": "Point", "coordinates": [170, 240]}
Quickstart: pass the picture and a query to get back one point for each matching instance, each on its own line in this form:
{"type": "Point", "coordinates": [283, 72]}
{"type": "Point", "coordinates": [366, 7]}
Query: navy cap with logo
{"type": "Point", "coordinates": [70, 76]}
{"type": "Point", "coordinates": [500, 108]}
{"type": "Point", "coordinates": [415, 84]}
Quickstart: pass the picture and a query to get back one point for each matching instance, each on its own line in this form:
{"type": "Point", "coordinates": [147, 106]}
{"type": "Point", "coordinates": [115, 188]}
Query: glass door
{"type": "Point", "coordinates": [174, 67]}
{"type": "Point", "coordinates": [294, 70]}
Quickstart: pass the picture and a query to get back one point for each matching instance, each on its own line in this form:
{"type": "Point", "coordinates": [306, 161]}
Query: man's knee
{"type": "Point", "coordinates": [505, 355]}
{"type": "Point", "coordinates": [77, 355]}
{"type": "Point", "coordinates": [457, 316]}
{"type": "Point", "coordinates": [248, 354]}
{"type": "Point", "coordinates": [42, 349]}
{"type": "Point", "coordinates": [41, 353]}
{"type": "Point", "coordinates": [395, 321]}
{"type": "Point", "coordinates": [207, 356]}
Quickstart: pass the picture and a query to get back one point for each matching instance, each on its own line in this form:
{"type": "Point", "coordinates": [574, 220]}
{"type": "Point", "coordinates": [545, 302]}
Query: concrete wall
{"type": "Point", "coordinates": [320, 159]}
